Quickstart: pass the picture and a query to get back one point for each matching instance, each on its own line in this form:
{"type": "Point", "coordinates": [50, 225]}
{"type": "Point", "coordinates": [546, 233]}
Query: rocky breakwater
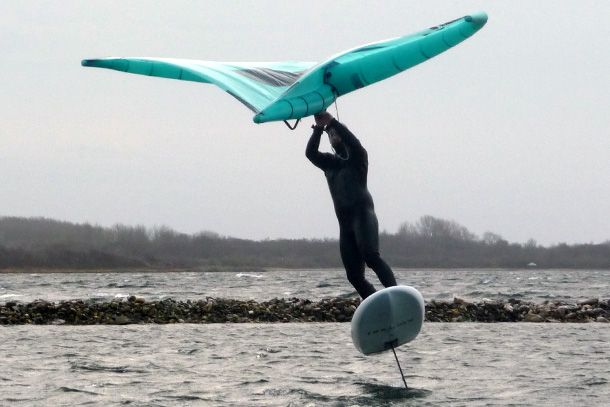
{"type": "Point", "coordinates": [211, 310]}
{"type": "Point", "coordinates": [138, 311]}
{"type": "Point", "coordinates": [513, 310]}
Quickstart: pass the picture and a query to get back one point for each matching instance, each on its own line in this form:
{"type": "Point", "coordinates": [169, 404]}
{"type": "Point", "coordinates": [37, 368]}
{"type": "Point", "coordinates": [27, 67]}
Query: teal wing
{"type": "Point", "coordinates": [365, 65]}
{"type": "Point", "coordinates": [256, 85]}
{"type": "Point", "coordinates": [293, 90]}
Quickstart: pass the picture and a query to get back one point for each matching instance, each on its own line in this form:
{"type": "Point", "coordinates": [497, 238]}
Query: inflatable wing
{"type": "Point", "coordinates": [293, 90]}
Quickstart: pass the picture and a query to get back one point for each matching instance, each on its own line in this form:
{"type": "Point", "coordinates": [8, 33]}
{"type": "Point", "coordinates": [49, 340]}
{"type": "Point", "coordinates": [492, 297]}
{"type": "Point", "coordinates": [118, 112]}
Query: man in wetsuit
{"type": "Point", "coordinates": [346, 173]}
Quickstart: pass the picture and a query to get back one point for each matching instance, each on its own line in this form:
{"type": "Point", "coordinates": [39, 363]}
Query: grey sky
{"type": "Point", "coordinates": [507, 132]}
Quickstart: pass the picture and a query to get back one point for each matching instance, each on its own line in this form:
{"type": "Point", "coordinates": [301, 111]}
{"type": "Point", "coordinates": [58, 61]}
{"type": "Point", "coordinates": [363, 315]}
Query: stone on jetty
{"type": "Point", "coordinates": [137, 310]}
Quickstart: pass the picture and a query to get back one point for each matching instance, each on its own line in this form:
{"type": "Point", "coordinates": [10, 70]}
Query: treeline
{"type": "Point", "coordinates": [429, 243]}
{"type": "Point", "coordinates": [439, 243]}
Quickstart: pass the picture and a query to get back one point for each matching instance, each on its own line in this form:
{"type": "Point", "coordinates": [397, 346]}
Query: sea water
{"type": "Point", "coordinates": [529, 285]}
{"type": "Point", "coordinates": [304, 364]}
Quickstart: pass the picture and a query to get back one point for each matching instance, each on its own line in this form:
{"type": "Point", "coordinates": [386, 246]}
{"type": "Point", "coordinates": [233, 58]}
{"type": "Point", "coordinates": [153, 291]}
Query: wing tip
{"type": "Point", "coordinates": [95, 62]}
{"type": "Point", "coordinates": [479, 19]}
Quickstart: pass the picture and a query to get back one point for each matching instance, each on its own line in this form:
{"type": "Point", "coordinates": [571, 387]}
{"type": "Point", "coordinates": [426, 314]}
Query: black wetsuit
{"type": "Point", "coordinates": [359, 230]}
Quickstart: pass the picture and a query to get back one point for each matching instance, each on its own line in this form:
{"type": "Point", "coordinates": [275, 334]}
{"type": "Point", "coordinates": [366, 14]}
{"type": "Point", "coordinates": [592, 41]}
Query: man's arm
{"type": "Point", "coordinates": [320, 160]}
{"type": "Point", "coordinates": [351, 141]}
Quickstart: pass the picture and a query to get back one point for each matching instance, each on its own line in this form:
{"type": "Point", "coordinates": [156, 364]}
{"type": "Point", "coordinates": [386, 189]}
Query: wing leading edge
{"type": "Point", "coordinates": [365, 65]}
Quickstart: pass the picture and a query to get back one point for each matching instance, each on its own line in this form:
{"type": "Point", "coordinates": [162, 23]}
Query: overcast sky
{"type": "Point", "coordinates": [508, 132]}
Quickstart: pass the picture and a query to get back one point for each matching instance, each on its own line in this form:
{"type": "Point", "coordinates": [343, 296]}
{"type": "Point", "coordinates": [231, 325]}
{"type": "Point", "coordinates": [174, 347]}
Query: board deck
{"type": "Point", "coordinates": [387, 319]}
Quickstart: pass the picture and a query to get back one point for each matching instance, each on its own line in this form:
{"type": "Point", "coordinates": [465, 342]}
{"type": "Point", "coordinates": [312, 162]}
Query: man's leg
{"type": "Point", "coordinates": [354, 264]}
{"type": "Point", "coordinates": [367, 235]}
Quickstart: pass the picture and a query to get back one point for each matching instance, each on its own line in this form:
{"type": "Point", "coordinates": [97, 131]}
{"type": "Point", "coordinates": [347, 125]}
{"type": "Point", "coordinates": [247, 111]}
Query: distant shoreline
{"type": "Point", "coordinates": [240, 269]}
{"type": "Point", "coordinates": [61, 247]}
{"type": "Point", "coordinates": [211, 269]}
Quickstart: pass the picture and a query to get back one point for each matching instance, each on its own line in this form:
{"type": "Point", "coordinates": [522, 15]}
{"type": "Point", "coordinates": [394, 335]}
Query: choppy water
{"type": "Point", "coordinates": [462, 364]}
{"type": "Point", "coordinates": [303, 365]}
{"type": "Point", "coordinates": [530, 285]}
